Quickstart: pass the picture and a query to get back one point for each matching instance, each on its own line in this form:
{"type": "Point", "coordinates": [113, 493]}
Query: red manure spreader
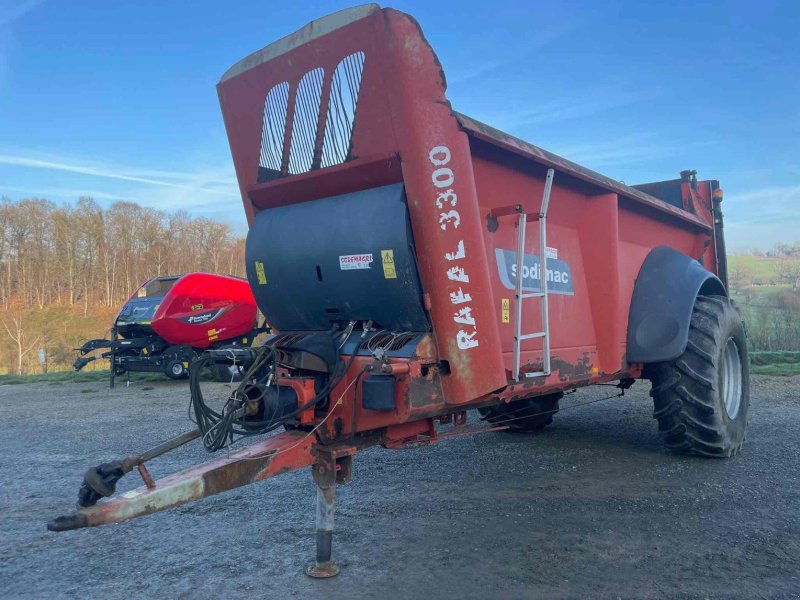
{"type": "Point", "coordinates": [415, 263]}
{"type": "Point", "coordinates": [169, 321]}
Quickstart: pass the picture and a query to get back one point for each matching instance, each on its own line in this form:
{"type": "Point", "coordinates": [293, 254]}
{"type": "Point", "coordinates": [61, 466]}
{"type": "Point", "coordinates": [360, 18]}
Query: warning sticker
{"type": "Point", "coordinates": [387, 259]}
{"type": "Point", "coordinates": [262, 277]}
{"type": "Point", "coordinates": [506, 311]}
{"type": "Point", "coordinates": [355, 261]}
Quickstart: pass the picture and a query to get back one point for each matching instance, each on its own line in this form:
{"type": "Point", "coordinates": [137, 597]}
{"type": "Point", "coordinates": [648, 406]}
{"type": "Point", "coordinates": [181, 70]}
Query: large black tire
{"type": "Point", "coordinates": [527, 415]}
{"type": "Point", "coordinates": [701, 399]}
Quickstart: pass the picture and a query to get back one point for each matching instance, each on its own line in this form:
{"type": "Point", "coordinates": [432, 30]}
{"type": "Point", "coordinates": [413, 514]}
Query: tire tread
{"type": "Point", "coordinates": [684, 391]}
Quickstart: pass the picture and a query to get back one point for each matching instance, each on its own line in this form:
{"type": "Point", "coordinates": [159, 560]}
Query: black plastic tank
{"type": "Point", "coordinates": [337, 259]}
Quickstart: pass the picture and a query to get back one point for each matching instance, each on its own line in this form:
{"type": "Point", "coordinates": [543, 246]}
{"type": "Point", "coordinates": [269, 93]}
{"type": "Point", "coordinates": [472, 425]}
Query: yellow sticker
{"type": "Point", "coordinates": [185, 364]}
{"type": "Point", "coordinates": [387, 258]}
{"type": "Point", "coordinates": [506, 310]}
{"type": "Point", "coordinates": [244, 340]}
{"type": "Point", "coordinates": [213, 333]}
{"type": "Point", "coordinates": [197, 307]}
{"type": "Point", "coordinates": [262, 277]}
{"type": "Point", "coordinates": [145, 350]}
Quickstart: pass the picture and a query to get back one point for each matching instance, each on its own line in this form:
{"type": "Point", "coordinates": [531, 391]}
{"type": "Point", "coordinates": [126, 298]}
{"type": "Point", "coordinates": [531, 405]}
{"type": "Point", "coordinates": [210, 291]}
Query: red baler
{"type": "Point", "coordinates": [170, 320]}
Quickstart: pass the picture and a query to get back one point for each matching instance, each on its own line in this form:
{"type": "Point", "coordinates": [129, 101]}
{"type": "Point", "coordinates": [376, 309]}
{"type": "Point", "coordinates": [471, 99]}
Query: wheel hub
{"type": "Point", "coordinates": [731, 378]}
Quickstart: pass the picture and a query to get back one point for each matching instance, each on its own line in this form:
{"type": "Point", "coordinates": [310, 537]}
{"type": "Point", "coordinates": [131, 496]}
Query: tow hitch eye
{"type": "Point", "coordinates": [101, 481]}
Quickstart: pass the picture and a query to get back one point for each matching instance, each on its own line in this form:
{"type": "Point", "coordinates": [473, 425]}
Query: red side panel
{"type": "Point", "coordinates": [202, 308]}
{"type": "Point", "coordinates": [402, 111]}
{"type": "Point", "coordinates": [445, 215]}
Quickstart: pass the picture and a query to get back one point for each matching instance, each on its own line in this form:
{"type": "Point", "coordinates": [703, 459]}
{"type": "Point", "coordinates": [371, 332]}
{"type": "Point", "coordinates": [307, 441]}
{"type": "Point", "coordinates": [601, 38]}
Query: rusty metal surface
{"type": "Point", "coordinates": [279, 454]}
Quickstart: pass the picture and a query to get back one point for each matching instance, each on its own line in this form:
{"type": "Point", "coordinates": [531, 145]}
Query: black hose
{"type": "Point", "coordinates": [218, 429]}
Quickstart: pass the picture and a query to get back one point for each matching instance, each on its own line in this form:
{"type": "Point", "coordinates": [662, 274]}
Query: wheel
{"type": "Point", "coordinates": [174, 369]}
{"type": "Point", "coordinates": [701, 399]}
{"type": "Point", "coordinates": [529, 414]}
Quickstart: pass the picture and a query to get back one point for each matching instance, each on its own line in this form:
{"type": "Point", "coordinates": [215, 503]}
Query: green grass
{"type": "Point", "coordinates": [763, 267]}
{"type": "Point", "coordinates": [783, 363]}
{"type": "Point", "coordinates": [74, 377]}
{"type": "Point", "coordinates": [782, 370]}
{"type": "Point", "coordinates": [772, 358]}
{"type": "Point", "coordinates": [759, 294]}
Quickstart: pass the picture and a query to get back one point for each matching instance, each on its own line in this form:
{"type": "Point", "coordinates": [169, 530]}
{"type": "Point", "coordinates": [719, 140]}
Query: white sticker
{"type": "Point", "coordinates": [355, 261]}
{"type": "Point", "coordinates": [551, 252]}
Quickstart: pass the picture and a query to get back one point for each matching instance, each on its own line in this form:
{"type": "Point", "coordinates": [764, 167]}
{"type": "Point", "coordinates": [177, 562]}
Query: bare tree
{"type": "Point", "coordinates": [17, 334]}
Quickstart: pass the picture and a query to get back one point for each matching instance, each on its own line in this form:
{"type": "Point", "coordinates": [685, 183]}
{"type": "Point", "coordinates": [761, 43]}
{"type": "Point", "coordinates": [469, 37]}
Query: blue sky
{"type": "Point", "coordinates": [118, 100]}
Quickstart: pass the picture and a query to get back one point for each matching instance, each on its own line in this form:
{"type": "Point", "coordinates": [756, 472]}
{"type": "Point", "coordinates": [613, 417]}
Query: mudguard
{"type": "Point", "coordinates": [662, 303]}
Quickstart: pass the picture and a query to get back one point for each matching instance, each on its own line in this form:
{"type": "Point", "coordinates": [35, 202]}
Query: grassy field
{"type": "Point", "coordinates": [763, 267]}
{"type": "Point", "coordinates": [775, 363]}
{"type": "Point", "coordinates": [75, 377]}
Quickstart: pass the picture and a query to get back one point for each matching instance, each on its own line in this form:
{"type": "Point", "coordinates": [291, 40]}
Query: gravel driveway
{"type": "Point", "coordinates": [591, 508]}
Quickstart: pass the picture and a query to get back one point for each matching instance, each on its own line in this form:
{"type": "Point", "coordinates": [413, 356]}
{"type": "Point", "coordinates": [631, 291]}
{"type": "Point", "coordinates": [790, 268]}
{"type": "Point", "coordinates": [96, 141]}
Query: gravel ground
{"type": "Point", "coordinates": [591, 508]}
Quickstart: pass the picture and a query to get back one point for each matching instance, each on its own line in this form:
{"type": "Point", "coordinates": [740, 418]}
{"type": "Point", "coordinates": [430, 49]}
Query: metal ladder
{"type": "Point", "coordinates": [519, 296]}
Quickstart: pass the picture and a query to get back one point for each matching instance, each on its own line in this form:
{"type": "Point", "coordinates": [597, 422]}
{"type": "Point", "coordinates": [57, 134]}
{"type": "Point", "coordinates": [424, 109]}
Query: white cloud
{"type": "Point", "coordinates": [619, 151]}
{"type": "Point", "coordinates": [553, 111]}
{"type": "Point", "coordinates": [60, 193]}
{"type": "Point", "coordinates": [782, 195]}
{"type": "Point", "coordinates": [761, 217]}
{"type": "Point", "coordinates": [214, 181]}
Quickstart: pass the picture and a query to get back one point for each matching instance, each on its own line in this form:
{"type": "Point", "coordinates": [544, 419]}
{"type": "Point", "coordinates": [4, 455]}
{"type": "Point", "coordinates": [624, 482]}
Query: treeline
{"type": "Point", "coordinates": [781, 249]}
{"type": "Point", "coordinates": [66, 255]}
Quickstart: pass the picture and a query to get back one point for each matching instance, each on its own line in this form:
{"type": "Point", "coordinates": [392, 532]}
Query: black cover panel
{"type": "Point", "coordinates": [303, 286]}
{"type": "Point", "coordinates": [662, 303]}
{"type": "Point", "coordinates": [668, 191]}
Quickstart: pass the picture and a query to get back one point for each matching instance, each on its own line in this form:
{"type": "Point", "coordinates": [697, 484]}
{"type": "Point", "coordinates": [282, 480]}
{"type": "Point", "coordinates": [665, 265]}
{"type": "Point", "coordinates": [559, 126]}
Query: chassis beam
{"type": "Point", "coordinates": [281, 453]}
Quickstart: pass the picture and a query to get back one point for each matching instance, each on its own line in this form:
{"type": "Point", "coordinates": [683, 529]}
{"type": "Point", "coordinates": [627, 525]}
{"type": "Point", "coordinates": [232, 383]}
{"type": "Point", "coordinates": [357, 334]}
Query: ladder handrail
{"type": "Point", "coordinates": [522, 220]}
{"type": "Point", "coordinates": [548, 186]}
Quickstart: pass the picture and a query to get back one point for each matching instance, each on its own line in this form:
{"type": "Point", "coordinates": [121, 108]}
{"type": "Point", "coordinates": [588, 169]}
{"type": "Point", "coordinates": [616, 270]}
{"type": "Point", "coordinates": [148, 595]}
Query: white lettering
{"type": "Point", "coordinates": [465, 340]}
{"type": "Point", "coordinates": [459, 253]}
{"type": "Point", "coordinates": [439, 155]}
{"type": "Point", "coordinates": [443, 177]}
{"type": "Point", "coordinates": [446, 196]}
{"type": "Point", "coordinates": [457, 274]}
{"type": "Point", "coordinates": [464, 316]}
{"type": "Point", "coordinates": [451, 216]}
{"type": "Point", "coordinates": [459, 297]}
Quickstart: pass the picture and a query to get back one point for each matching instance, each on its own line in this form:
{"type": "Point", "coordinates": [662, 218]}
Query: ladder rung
{"type": "Point", "coordinates": [528, 336]}
{"type": "Point", "coordinates": [536, 374]}
{"type": "Point", "coordinates": [533, 295]}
